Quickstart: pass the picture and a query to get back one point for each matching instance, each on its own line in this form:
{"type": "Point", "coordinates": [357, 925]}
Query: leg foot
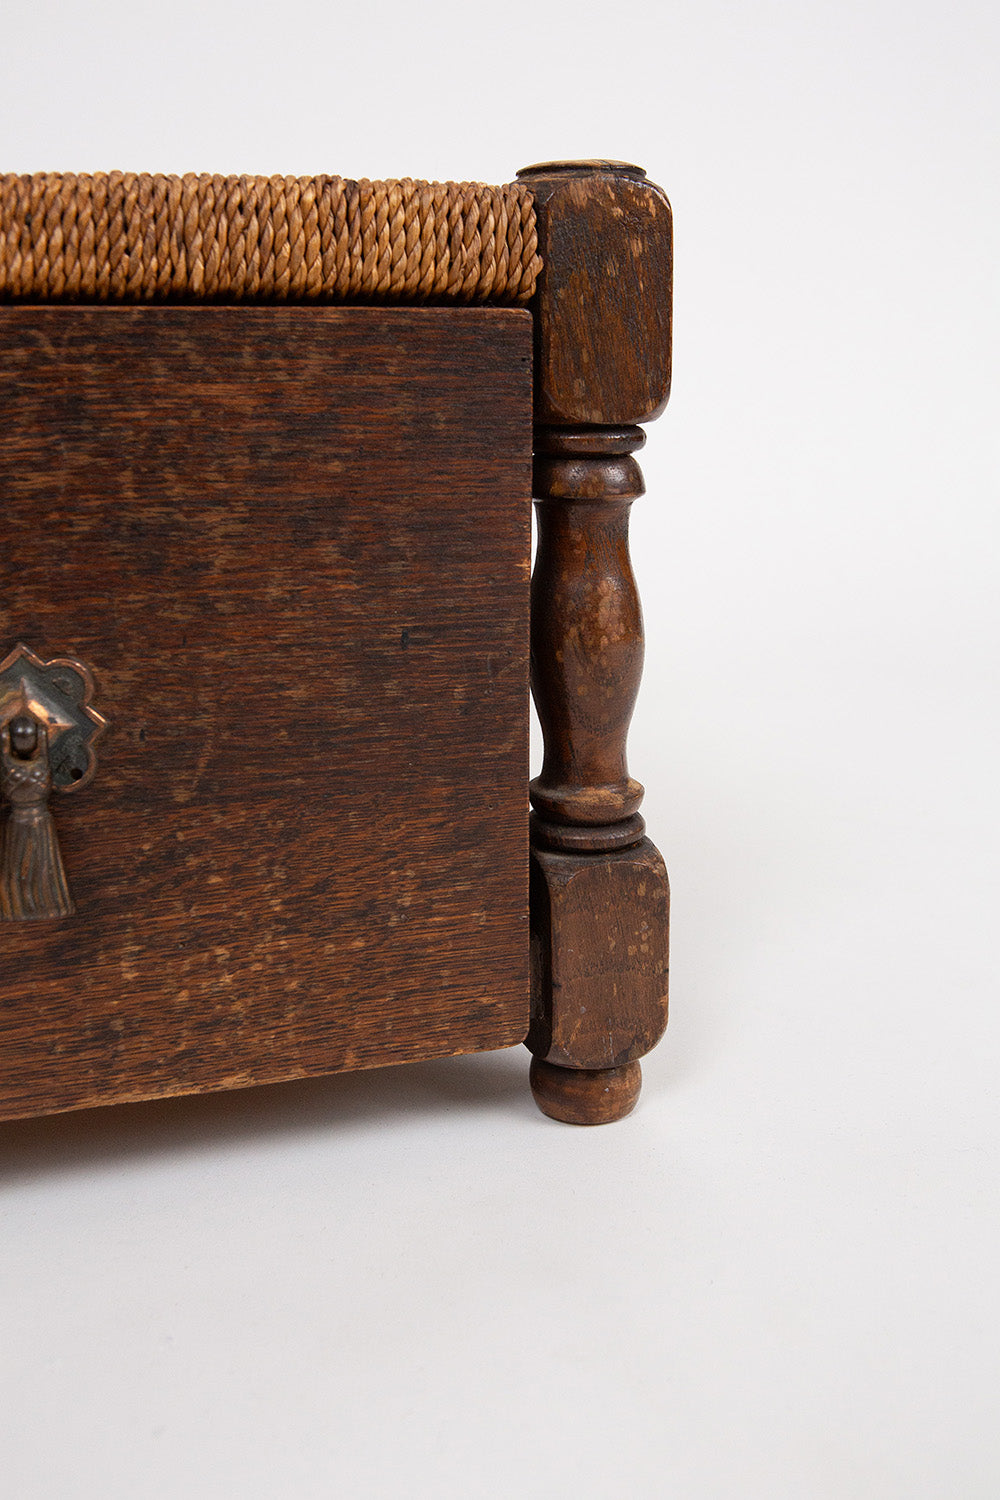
{"type": "Point", "coordinates": [585, 1096]}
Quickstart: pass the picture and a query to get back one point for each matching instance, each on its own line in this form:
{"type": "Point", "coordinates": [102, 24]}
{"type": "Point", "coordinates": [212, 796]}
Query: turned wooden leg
{"type": "Point", "coordinates": [585, 1096]}
{"type": "Point", "coordinates": [599, 892]}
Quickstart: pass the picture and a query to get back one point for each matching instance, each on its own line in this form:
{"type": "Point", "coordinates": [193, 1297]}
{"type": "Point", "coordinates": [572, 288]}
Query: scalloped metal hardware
{"type": "Point", "coordinates": [48, 730]}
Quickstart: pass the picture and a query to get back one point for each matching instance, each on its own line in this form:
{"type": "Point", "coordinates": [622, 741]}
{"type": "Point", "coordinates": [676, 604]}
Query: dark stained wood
{"type": "Point", "coordinates": [582, 1096]}
{"type": "Point", "coordinates": [586, 635]}
{"type": "Point", "coordinates": [600, 900]}
{"type": "Point", "coordinates": [292, 545]}
{"type": "Point", "coordinates": [599, 893]}
{"type": "Point", "coordinates": [599, 928]}
{"type": "Point", "coordinates": [603, 304]}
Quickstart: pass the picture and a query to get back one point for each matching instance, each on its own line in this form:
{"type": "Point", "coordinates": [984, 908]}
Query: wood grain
{"type": "Point", "coordinates": [584, 1096]}
{"type": "Point", "coordinates": [600, 931]}
{"type": "Point", "coordinates": [603, 304]}
{"type": "Point", "coordinates": [587, 638]}
{"type": "Point", "coordinates": [599, 894]}
{"type": "Point", "coordinates": [292, 544]}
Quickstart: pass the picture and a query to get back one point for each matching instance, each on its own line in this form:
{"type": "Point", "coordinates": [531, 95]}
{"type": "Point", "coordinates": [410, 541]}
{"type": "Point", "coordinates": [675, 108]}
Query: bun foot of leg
{"type": "Point", "coordinates": [584, 1096]}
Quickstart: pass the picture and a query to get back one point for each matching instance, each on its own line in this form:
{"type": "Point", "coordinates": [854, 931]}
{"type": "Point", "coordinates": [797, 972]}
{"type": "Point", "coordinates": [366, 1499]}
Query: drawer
{"type": "Point", "coordinates": [290, 545]}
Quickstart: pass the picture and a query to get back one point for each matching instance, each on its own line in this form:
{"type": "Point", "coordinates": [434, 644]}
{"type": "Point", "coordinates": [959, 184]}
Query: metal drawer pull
{"type": "Point", "coordinates": [47, 735]}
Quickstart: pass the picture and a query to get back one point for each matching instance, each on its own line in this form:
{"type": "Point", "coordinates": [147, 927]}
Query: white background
{"type": "Point", "coordinates": [778, 1279]}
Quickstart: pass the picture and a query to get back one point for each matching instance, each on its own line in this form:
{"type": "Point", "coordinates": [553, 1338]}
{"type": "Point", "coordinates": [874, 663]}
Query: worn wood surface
{"type": "Point", "coordinates": [292, 544]}
{"type": "Point", "coordinates": [581, 1096]}
{"type": "Point", "coordinates": [599, 928]}
{"type": "Point", "coordinates": [603, 303]}
{"type": "Point", "coordinates": [587, 641]}
{"type": "Point", "coordinates": [599, 895]}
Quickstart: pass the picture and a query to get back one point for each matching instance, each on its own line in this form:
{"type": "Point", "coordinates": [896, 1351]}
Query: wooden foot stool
{"type": "Point", "coordinates": [265, 475]}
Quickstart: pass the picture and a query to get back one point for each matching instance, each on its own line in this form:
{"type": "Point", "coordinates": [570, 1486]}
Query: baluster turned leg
{"type": "Point", "coordinates": [599, 892]}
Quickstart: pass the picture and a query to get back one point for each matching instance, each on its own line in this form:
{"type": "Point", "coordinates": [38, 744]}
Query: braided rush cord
{"type": "Point", "coordinates": [134, 237]}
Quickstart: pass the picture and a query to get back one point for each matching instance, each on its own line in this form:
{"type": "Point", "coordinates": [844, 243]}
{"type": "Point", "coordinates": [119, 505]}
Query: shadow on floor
{"type": "Point", "coordinates": [484, 1083]}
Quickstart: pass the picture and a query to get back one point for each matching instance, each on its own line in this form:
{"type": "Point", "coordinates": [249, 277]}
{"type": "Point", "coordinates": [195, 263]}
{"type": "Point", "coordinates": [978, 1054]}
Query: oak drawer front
{"type": "Point", "coordinates": [292, 546]}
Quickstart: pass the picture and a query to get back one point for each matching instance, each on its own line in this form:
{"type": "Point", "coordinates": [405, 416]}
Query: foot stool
{"type": "Point", "coordinates": [266, 474]}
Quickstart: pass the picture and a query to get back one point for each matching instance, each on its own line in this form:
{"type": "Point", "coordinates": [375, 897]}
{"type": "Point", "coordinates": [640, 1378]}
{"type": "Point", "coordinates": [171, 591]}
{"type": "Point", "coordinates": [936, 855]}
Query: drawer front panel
{"type": "Point", "coordinates": [291, 546]}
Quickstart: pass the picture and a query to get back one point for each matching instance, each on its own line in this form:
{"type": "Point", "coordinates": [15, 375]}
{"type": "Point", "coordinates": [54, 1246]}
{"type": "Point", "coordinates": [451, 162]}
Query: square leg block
{"type": "Point", "coordinates": [599, 943]}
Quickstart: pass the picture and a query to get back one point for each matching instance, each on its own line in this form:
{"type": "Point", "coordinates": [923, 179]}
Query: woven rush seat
{"type": "Point", "coordinates": [140, 237]}
{"type": "Point", "coordinates": [268, 623]}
